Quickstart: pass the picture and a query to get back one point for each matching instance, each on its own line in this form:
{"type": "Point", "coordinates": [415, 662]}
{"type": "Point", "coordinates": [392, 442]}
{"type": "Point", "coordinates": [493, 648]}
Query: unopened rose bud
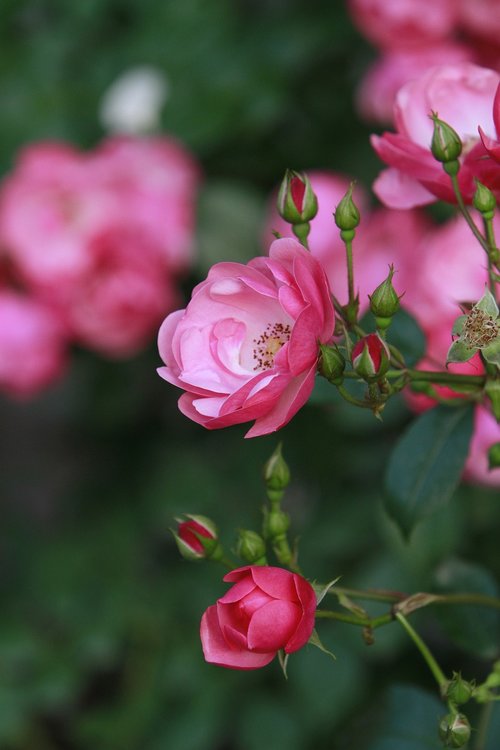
{"type": "Point", "coordinates": [371, 357]}
{"type": "Point", "coordinates": [346, 215]}
{"type": "Point", "coordinates": [384, 302]}
{"type": "Point", "coordinates": [276, 473]}
{"type": "Point", "coordinates": [251, 547]}
{"type": "Point", "coordinates": [484, 200]}
{"type": "Point", "coordinates": [446, 145]}
{"type": "Point", "coordinates": [454, 730]}
{"type": "Point", "coordinates": [297, 202]}
{"type": "Point", "coordinates": [196, 538]}
{"type": "Point", "coordinates": [331, 364]}
{"type": "Point", "coordinates": [494, 456]}
{"type": "Point", "coordinates": [459, 690]}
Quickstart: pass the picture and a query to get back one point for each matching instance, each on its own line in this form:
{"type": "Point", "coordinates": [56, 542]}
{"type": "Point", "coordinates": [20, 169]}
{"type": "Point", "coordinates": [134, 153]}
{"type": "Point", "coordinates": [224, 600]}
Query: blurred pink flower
{"type": "Point", "coordinates": [399, 24]}
{"type": "Point", "coordinates": [32, 345]}
{"type": "Point", "coordinates": [267, 609]}
{"type": "Point", "coordinates": [462, 95]}
{"type": "Point", "coordinates": [376, 94]}
{"type": "Point", "coordinates": [115, 308]}
{"type": "Point", "coordinates": [246, 346]}
{"type": "Point", "coordinates": [481, 17]}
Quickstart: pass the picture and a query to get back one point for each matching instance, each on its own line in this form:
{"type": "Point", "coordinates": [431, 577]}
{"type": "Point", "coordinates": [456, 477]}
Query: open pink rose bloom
{"type": "Point", "coordinates": [462, 95]}
{"type": "Point", "coordinates": [246, 347]}
{"type": "Point", "coordinates": [266, 610]}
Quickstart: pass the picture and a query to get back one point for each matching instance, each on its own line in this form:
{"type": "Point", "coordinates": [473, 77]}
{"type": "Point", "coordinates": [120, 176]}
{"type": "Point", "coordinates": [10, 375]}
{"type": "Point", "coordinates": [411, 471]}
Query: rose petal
{"type": "Point", "coordinates": [217, 651]}
{"type": "Point", "coordinates": [272, 625]}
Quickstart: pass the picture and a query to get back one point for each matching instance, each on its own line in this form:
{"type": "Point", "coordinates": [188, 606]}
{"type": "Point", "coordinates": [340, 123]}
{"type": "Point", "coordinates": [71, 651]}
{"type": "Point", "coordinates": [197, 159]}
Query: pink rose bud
{"type": "Point", "coordinates": [266, 610]}
{"type": "Point", "coordinates": [196, 538]}
{"type": "Point", "coordinates": [297, 202]}
{"type": "Point", "coordinates": [370, 357]}
{"type": "Point", "coordinates": [247, 345]}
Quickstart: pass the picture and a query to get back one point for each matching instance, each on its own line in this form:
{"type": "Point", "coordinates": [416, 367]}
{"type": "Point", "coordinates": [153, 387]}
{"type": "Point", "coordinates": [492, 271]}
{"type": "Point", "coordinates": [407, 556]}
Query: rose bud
{"type": "Point", "coordinates": [196, 538]}
{"type": "Point", "coordinates": [346, 215]}
{"type": "Point", "coordinates": [251, 547]}
{"type": "Point", "coordinates": [276, 473]}
{"type": "Point", "coordinates": [297, 202]}
{"type": "Point", "coordinates": [446, 145]}
{"type": "Point", "coordinates": [384, 302]}
{"type": "Point", "coordinates": [459, 690]}
{"type": "Point", "coordinates": [267, 609]}
{"type": "Point", "coordinates": [494, 456]}
{"type": "Point", "coordinates": [484, 200]}
{"type": "Point", "coordinates": [370, 357]}
{"type": "Point", "coordinates": [331, 364]}
{"type": "Point", "coordinates": [454, 730]}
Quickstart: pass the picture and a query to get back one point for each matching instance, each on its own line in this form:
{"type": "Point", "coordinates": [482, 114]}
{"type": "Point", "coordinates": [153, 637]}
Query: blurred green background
{"type": "Point", "coordinates": [99, 642]}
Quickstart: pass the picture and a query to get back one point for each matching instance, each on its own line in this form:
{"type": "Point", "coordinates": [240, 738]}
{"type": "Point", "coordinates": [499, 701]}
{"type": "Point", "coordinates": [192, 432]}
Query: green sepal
{"type": "Point", "coordinates": [283, 660]}
{"type": "Point", "coordinates": [460, 352]}
{"type": "Point", "coordinates": [315, 640]}
{"type": "Point", "coordinates": [491, 352]}
{"type": "Point", "coordinates": [322, 591]}
{"type": "Point", "coordinates": [458, 325]}
{"type": "Point", "coordinates": [488, 304]}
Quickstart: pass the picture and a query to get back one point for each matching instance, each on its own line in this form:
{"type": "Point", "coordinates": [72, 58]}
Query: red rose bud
{"type": "Point", "coordinates": [384, 302]}
{"type": "Point", "coordinates": [370, 357]}
{"type": "Point", "coordinates": [197, 538]}
{"type": "Point", "coordinates": [297, 202]}
{"type": "Point", "coordinates": [446, 145]}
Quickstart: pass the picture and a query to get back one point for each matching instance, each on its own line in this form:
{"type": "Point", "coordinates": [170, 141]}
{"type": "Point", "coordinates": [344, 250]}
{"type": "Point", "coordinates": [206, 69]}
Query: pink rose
{"type": "Point", "coordinates": [486, 434]}
{"type": "Point", "coordinates": [246, 346]}
{"type": "Point", "coordinates": [267, 609]}
{"type": "Point", "coordinates": [376, 94]}
{"type": "Point", "coordinates": [32, 345]}
{"type": "Point", "coordinates": [403, 23]}
{"type": "Point", "coordinates": [463, 97]}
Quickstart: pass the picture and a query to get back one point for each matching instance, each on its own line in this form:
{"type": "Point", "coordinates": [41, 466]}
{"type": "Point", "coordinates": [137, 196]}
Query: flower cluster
{"type": "Point", "coordinates": [91, 244]}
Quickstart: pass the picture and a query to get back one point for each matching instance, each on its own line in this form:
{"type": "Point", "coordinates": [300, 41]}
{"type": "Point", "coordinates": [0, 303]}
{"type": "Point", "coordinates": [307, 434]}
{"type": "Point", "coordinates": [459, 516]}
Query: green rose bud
{"type": "Point", "coordinates": [494, 456]}
{"type": "Point", "coordinates": [484, 200]}
{"type": "Point", "coordinates": [384, 302]}
{"type": "Point", "coordinates": [276, 472]}
{"type": "Point", "coordinates": [459, 690]}
{"type": "Point", "coordinates": [346, 215]}
{"type": "Point", "coordinates": [446, 145]}
{"type": "Point", "coordinates": [331, 364]}
{"type": "Point", "coordinates": [251, 547]}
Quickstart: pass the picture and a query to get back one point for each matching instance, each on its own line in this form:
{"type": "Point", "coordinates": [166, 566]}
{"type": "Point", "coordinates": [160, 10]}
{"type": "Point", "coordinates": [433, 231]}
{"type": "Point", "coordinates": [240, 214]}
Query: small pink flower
{"type": "Point", "coordinates": [32, 345]}
{"type": "Point", "coordinates": [246, 347]}
{"type": "Point", "coordinates": [462, 95]}
{"type": "Point", "coordinates": [266, 610]}
{"type": "Point", "coordinates": [399, 24]}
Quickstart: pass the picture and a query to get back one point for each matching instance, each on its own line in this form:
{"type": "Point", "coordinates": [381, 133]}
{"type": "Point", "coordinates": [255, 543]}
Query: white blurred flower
{"type": "Point", "coordinates": [132, 104]}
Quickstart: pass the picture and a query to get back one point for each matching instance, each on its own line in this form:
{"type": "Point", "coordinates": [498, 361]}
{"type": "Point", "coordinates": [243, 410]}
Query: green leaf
{"type": "Point", "coordinates": [425, 466]}
{"type": "Point", "coordinates": [474, 629]}
{"type": "Point", "coordinates": [410, 720]}
{"type": "Point", "coordinates": [460, 352]}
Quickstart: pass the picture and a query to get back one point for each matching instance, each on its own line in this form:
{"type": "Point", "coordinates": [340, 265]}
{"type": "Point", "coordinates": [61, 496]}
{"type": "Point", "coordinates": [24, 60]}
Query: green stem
{"type": "Point", "coordinates": [492, 248]}
{"type": "Point", "coordinates": [351, 399]}
{"type": "Point", "coordinates": [484, 722]}
{"type": "Point", "coordinates": [466, 214]}
{"type": "Point", "coordinates": [364, 622]}
{"type": "Point", "coordinates": [350, 270]}
{"type": "Point", "coordinates": [424, 650]}
{"type": "Point", "coordinates": [392, 597]}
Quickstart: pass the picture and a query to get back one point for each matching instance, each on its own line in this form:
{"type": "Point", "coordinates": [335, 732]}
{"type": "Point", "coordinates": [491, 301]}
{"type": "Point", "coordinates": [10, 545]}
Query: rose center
{"type": "Point", "coordinates": [268, 344]}
{"type": "Point", "coordinates": [479, 329]}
